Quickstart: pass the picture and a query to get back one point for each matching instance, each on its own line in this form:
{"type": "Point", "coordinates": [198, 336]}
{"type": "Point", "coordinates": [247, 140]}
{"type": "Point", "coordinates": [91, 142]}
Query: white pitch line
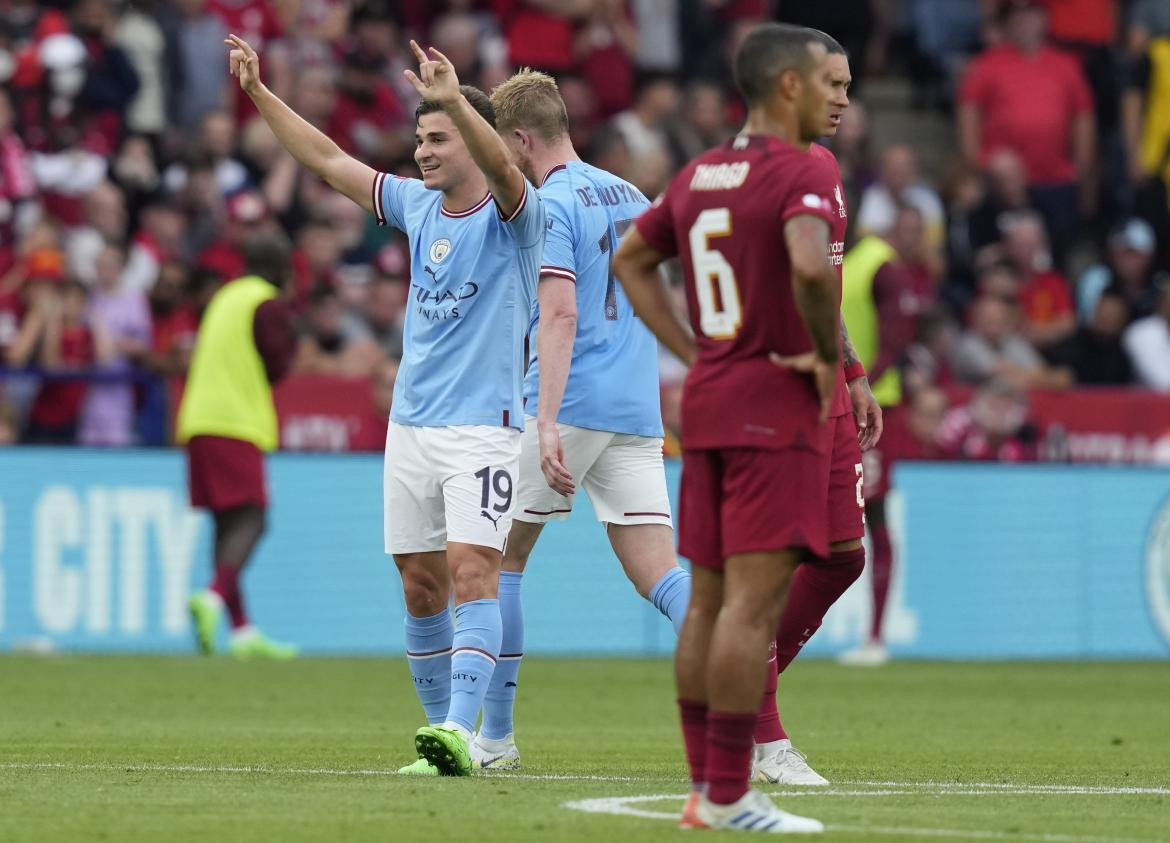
{"type": "Point", "coordinates": [883, 788]}
{"type": "Point", "coordinates": [623, 806]}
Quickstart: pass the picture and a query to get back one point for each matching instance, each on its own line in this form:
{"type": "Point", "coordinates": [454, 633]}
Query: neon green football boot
{"type": "Point", "coordinates": [419, 767]}
{"type": "Point", "coordinates": [445, 748]}
{"type": "Point", "coordinates": [206, 609]}
{"type": "Point", "coordinates": [251, 643]}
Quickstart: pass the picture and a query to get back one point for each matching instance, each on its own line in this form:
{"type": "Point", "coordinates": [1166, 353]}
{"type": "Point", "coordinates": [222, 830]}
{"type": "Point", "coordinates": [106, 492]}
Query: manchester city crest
{"type": "Point", "coordinates": [439, 250]}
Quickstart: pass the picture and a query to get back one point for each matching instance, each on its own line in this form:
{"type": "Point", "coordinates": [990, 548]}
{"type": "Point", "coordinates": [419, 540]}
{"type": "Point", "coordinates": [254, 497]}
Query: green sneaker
{"type": "Point", "coordinates": [445, 748]}
{"type": "Point", "coordinates": [419, 767]}
{"type": "Point", "coordinates": [206, 609]}
{"type": "Point", "coordinates": [253, 644]}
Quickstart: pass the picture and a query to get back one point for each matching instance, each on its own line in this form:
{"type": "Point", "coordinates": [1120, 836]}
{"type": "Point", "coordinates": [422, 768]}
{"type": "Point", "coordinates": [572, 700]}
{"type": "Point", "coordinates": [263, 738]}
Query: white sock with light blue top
{"type": "Point", "coordinates": [671, 594]}
{"type": "Point", "coordinates": [478, 632]}
{"type": "Point", "coordinates": [500, 700]}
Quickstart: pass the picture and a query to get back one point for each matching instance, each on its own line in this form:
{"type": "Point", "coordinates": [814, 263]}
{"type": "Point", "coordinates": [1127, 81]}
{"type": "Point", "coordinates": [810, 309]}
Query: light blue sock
{"type": "Point", "coordinates": [671, 594]}
{"type": "Point", "coordinates": [473, 659]}
{"type": "Point", "coordinates": [501, 693]}
{"type": "Point", "coordinates": [428, 651]}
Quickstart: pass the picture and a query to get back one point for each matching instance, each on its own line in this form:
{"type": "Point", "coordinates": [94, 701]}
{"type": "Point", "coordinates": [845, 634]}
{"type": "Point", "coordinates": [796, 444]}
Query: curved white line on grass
{"type": "Point", "coordinates": [623, 806]}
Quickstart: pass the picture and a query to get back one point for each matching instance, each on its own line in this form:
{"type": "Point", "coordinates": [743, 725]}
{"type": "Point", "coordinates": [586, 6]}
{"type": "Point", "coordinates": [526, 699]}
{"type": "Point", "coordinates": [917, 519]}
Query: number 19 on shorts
{"type": "Point", "coordinates": [716, 290]}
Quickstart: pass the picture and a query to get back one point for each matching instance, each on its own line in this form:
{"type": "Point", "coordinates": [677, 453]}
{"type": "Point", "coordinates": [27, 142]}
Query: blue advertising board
{"type": "Point", "coordinates": [99, 551]}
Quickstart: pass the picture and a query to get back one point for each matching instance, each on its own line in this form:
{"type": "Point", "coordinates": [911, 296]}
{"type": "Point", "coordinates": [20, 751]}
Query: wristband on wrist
{"type": "Point", "coordinates": [854, 371]}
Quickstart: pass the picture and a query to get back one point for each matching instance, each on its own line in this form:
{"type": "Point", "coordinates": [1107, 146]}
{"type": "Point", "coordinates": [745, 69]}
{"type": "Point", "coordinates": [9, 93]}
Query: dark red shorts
{"type": "Point", "coordinates": [225, 473]}
{"type": "Point", "coordinates": [846, 503]}
{"type": "Point", "coordinates": [744, 500]}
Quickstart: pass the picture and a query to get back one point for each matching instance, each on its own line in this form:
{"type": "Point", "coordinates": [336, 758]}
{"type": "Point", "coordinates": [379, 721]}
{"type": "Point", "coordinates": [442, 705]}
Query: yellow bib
{"type": "Point", "coordinates": [227, 392]}
{"type": "Point", "coordinates": [860, 314]}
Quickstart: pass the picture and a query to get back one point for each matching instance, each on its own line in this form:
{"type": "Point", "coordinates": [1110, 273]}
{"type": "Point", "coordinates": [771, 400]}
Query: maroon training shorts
{"type": "Point", "coordinates": [225, 473]}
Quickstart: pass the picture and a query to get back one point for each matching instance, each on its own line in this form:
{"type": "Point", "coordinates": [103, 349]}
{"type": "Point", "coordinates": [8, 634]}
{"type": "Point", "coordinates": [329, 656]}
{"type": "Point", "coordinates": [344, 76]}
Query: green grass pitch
{"type": "Point", "coordinates": [137, 748]}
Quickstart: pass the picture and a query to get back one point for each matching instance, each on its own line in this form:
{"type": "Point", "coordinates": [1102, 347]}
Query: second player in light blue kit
{"type": "Point", "coordinates": [592, 384]}
{"type": "Point", "coordinates": [476, 229]}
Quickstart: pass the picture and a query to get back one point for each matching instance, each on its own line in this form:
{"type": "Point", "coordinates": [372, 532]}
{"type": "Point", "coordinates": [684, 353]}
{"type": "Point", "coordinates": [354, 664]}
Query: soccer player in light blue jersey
{"type": "Point", "coordinates": [476, 230]}
{"type": "Point", "coordinates": [592, 383]}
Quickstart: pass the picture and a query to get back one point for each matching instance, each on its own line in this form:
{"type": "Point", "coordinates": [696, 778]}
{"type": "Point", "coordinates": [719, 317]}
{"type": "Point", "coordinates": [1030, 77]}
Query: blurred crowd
{"type": "Point", "coordinates": [1030, 254]}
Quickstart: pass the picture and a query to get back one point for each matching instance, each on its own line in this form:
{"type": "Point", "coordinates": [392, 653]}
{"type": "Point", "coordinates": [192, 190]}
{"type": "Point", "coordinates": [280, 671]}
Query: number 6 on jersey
{"type": "Point", "coordinates": [720, 313]}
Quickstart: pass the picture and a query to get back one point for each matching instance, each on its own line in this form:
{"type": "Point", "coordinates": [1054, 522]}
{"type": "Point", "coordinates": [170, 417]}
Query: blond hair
{"type": "Point", "coordinates": [530, 100]}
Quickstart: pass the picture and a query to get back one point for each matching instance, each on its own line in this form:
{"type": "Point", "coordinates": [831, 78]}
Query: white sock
{"type": "Point", "coordinates": [451, 724]}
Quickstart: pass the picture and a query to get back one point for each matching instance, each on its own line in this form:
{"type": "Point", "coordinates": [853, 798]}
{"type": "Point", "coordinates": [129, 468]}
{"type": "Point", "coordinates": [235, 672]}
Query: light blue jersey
{"type": "Point", "coordinates": [472, 291]}
{"type": "Point", "coordinates": [613, 379]}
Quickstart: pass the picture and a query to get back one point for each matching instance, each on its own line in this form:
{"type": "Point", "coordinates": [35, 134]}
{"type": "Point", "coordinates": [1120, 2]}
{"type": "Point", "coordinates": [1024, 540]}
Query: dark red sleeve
{"type": "Point", "coordinates": [811, 192]}
{"type": "Point", "coordinates": [276, 338]}
{"type": "Point", "coordinates": [896, 329]}
{"type": "Point", "coordinates": [656, 225]}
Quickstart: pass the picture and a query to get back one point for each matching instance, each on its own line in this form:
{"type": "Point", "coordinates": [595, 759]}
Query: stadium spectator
{"type": "Point", "coordinates": [1005, 191]}
{"type": "Point", "coordinates": [215, 147]}
{"type": "Point", "coordinates": [121, 323]}
{"type": "Point", "coordinates": [1034, 100]}
{"type": "Point", "coordinates": [368, 118]}
{"type": "Point", "coordinates": [325, 348]}
{"type": "Point", "coordinates": [659, 46]}
{"type": "Point", "coordinates": [643, 125]}
{"type": "Point", "coordinates": [1129, 267]}
{"type": "Point", "coordinates": [1145, 124]}
{"type": "Point", "coordinates": [247, 213]}
{"type": "Point", "coordinates": [158, 239]}
{"type": "Point", "coordinates": [382, 317]}
{"type": "Point", "coordinates": [993, 348]}
{"type": "Point", "coordinates": [111, 82]}
{"type": "Point", "coordinates": [928, 358]}
{"type": "Point", "coordinates": [174, 323]}
{"type": "Point", "coordinates": [581, 106]}
{"type": "Point", "coordinates": [315, 259]}
{"type": "Point", "coordinates": [196, 73]}
{"type": "Point", "coordinates": [105, 221]}
{"type": "Point", "coordinates": [945, 33]}
{"type": "Point", "coordinates": [1045, 300]}
{"type": "Point", "coordinates": [56, 336]}
{"type": "Point", "coordinates": [606, 45]}
{"type": "Point", "coordinates": [1094, 353]}
{"type": "Point", "coordinates": [993, 425]}
{"type": "Point", "coordinates": [702, 123]}
{"type": "Point", "coordinates": [899, 182]}
{"type": "Point", "coordinates": [540, 34]}
{"type": "Point", "coordinates": [136, 171]}
{"type": "Point", "coordinates": [888, 282]}
{"type": "Point", "coordinates": [139, 35]}
{"type": "Point", "coordinates": [1147, 342]}
{"type": "Point", "coordinates": [18, 187]}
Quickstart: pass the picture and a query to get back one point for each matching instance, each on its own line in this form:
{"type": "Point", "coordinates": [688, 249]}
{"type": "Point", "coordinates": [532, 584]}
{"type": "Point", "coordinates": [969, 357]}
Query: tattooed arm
{"type": "Point", "coordinates": [849, 356]}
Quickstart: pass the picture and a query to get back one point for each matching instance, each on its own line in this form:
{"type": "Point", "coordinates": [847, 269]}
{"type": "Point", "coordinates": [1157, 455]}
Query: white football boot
{"type": "Point", "coordinates": [488, 754]}
{"type": "Point", "coordinates": [754, 812]}
{"type": "Point", "coordinates": [780, 762]}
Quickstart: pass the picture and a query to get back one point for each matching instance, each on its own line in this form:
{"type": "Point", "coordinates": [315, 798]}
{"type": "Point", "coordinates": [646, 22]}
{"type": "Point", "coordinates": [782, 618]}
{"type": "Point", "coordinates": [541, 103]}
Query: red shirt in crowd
{"type": "Point", "coordinates": [1045, 297]}
{"type": "Point", "coordinates": [536, 38]}
{"type": "Point", "coordinates": [1027, 103]}
{"type": "Point", "coordinates": [902, 292]}
{"type": "Point", "coordinates": [58, 403]}
{"type": "Point", "coordinates": [1082, 21]}
{"type": "Point", "coordinates": [257, 23]}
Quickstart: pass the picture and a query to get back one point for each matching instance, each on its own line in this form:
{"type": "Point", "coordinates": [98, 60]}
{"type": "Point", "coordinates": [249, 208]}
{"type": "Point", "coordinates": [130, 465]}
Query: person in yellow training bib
{"type": "Point", "coordinates": [227, 420]}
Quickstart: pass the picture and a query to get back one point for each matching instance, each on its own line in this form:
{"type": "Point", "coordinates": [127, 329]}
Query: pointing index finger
{"type": "Point", "coordinates": [418, 51]}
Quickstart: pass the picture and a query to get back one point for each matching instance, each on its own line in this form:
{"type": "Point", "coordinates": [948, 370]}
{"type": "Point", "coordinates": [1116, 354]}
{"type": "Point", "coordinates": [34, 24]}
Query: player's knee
{"type": "Point", "coordinates": [425, 591]}
{"type": "Point", "coordinates": [848, 560]}
{"type": "Point", "coordinates": [475, 577]}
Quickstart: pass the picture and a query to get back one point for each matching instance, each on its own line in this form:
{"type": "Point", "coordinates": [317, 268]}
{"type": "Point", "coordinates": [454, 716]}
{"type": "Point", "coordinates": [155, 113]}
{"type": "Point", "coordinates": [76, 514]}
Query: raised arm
{"type": "Point", "coordinates": [436, 81]}
{"type": "Point", "coordinates": [311, 147]}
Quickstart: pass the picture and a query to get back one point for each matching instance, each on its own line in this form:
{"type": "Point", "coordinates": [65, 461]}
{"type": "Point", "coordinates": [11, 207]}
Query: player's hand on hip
{"type": "Point", "coordinates": [552, 461]}
{"type": "Point", "coordinates": [824, 375]}
{"type": "Point", "coordinates": [243, 63]}
{"type": "Point", "coordinates": [866, 411]}
{"type": "Point", "coordinates": [436, 79]}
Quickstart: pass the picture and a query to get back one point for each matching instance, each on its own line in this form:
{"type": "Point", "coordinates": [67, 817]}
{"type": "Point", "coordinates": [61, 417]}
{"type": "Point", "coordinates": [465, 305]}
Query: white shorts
{"type": "Point", "coordinates": [623, 475]}
{"type": "Point", "coordinates": [449, 484]}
